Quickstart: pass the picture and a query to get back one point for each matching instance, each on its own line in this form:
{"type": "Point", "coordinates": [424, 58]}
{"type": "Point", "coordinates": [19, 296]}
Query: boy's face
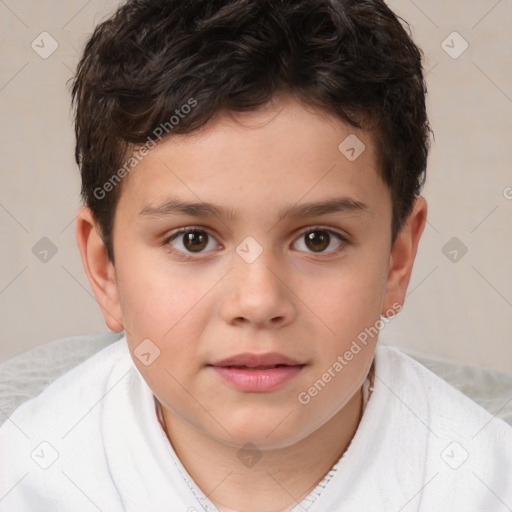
{"type": "Point", "coordinates": [250, 281]}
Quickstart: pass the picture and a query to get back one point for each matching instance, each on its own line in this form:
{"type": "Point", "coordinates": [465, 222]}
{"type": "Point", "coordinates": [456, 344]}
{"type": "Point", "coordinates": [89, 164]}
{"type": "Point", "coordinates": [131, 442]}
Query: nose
{"type": "Point", "coordinates": [258, 294]}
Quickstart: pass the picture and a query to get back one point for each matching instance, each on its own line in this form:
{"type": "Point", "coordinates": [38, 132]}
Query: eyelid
{"type": "Point", "coordinates": [182, 231]}
{"type": "Point", "coordinates": [186, 229]}
{"type": "Point", "coordinates": [343, 238]}
{"type": "Point", "coordinates": [330, 230]}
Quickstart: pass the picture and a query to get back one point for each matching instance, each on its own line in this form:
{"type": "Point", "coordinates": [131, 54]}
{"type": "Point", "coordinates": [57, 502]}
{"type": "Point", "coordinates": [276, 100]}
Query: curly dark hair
{"type": "Point", "coordinates": [142, 66]}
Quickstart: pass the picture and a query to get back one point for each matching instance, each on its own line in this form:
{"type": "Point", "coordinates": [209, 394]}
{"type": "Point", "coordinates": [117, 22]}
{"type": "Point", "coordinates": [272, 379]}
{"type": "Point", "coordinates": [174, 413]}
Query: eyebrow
{"type": "Point", "coordinates": [200, 209]}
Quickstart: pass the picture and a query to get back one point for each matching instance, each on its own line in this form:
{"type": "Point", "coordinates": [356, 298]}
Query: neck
{"type": "Point", "coordinates": [279, 480]}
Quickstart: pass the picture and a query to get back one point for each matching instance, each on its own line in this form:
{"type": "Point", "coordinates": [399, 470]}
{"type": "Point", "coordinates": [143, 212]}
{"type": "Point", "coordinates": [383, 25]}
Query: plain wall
{"type": "Point", "coordinates": [459, 310]}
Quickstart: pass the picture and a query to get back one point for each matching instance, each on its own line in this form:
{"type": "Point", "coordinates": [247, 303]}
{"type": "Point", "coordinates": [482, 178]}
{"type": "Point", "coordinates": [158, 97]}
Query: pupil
{"type": "Point", "coordinates": [317, 240]}
{"type": "Point", "coordinates": [195, 241]}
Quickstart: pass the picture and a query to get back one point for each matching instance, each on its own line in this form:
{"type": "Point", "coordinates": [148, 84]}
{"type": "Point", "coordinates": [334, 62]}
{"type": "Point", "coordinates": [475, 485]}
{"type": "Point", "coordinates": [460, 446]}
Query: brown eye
{"type": "Point", "coordinates": [318, 240]}
{"type": "Point", "coordinates": [195, 241]}
{"type": "Point", "coordinates": [191, 240]}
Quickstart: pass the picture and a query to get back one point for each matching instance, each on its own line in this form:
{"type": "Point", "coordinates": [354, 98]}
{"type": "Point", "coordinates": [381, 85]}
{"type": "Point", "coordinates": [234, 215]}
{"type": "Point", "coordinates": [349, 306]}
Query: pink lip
{"type": "Point", "coordinates": [254, 360]}
{"type": "Point", "coordinates": [257, 373]}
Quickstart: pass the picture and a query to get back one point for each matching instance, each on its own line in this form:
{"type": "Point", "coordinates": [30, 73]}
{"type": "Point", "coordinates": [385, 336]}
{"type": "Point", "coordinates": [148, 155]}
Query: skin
{"type": "Point", "coordinates": [307, 304]}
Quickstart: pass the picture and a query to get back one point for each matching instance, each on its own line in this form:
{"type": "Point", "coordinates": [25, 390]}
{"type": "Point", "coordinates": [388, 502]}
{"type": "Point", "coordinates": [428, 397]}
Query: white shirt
{"type": "Point", "coordinates": [92, 441]}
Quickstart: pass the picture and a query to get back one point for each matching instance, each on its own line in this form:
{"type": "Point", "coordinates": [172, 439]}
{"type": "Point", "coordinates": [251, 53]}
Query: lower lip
{"type": "Point", "coordinates": [257, 381]}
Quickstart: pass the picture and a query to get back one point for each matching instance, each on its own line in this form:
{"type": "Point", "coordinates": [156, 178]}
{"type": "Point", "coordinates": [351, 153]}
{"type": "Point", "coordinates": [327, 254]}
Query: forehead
{"type": "Point", "coordinates": [278, 154]}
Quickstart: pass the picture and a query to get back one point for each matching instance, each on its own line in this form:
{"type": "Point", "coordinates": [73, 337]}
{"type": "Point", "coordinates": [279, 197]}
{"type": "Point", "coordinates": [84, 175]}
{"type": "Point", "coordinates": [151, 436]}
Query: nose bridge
{"type": "Point", "coordinates": [257, 292]}
{"type": "Point", "coordinates": [255, 269]}
{"type": "Point", "coordinates": [257, 275]}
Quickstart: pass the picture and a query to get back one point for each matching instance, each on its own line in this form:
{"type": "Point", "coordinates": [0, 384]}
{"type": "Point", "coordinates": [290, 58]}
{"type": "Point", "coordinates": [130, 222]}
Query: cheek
{"type": "Point", "coordinates": [156, 299]}
{"type": "Point", "coordinates": [347, 301]}
{"type": "Point", "coordinates": [161, 304]}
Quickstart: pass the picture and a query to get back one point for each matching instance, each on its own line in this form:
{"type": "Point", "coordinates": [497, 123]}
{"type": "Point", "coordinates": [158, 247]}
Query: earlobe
{"type": "Point", "coordinates": [402, 256]}
{"type": "Point", "coordinates": [99, 269]}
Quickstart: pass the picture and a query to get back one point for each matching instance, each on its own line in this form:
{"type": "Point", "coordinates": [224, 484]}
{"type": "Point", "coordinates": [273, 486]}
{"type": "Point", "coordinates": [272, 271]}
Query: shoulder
{"type": "Point", "coordinates": [445, 402]}
{"type": "Point", "coordinates": [83, 383]}
{"type": "Point", "coordinates": [43, 440]}
{"type": "Point", "coordinates": [466, 452]}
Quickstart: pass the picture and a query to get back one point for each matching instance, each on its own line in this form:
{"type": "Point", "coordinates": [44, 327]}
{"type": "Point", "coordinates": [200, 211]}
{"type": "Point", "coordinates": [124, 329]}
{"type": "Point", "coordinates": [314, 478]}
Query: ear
{"type": "Point", "coordinates": [99, 269]}
{"type": "Point", "coordinates": [402, 256]}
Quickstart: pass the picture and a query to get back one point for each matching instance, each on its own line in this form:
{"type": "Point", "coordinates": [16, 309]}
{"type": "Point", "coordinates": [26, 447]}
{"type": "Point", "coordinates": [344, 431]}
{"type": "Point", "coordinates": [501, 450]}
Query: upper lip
{"type": "Point", "coordinates": [255, 360]}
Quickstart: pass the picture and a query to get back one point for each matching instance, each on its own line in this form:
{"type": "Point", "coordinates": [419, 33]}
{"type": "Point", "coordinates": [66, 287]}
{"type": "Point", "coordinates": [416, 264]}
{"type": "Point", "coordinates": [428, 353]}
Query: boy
{"type": "Point", "coordinates": [251, 173]}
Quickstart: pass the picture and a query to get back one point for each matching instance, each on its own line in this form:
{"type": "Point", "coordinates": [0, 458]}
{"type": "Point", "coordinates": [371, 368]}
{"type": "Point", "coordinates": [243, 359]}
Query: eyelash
{"type": "Point", "coordinates": [191, 229]}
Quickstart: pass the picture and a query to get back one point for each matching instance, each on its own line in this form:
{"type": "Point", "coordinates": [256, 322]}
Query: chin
{"type": "Point", "coordinates": [264, 433]}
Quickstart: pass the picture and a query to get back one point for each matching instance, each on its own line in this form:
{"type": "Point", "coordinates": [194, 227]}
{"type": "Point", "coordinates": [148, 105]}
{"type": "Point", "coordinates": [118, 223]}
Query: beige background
{"type": "Point", "coordinates": [459, 310]}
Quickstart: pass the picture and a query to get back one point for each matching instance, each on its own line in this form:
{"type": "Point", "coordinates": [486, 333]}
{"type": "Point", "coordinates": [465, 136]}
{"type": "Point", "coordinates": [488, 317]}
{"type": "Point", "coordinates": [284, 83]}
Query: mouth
{"type": "Point", "coordinates": [252, 360]}
{"type": "Point", "coordinates": [257, 373]}
{"type": "Point", "coordinates": [245, 367]}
